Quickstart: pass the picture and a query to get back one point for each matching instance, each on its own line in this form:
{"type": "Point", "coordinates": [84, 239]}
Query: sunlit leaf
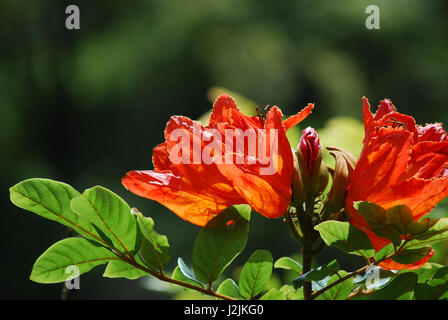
{"type": "Point", "coordinates": [122, 269]}
{"type": "Point", "coordinates": [179, 275]}
{"type": "Point", "coordinates": [229, 288]}
{"type": "Point", "coordinates": [438, 231]}
{"type": "Point", "coordinates": [255, 274]}
{"type": "Point", "coordinates": [220, 241]}
{"type": "Point", "coordinates": [288, 263]}
{"type": "Point", "coordinates": [51, 266]}
{"type": "Point", "coordinates": [340, 291]}
{"type": "Point", "coordinates": [346, 237]}
{"type": "Point", "coordinates": [51, 200]}
{"type": "Point", "coordinates": [187, 272]}
{"type": "Point", "coordinates": [400, 288]}
{"type": "Point", "coordinates": [435, 288]}
{"type": "Point", "coordinates": [154, 248]}
{"type": "Point", "coordinates": [111, 216]}
{"type": "Point", "coordinates": [273, 294]}
{"type": "Point", "coordinates": [316, 274]}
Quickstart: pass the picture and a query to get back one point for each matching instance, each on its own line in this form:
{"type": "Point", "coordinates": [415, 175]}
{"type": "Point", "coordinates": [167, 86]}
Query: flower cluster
{"type": "Point", "coordinates": [237, 159]}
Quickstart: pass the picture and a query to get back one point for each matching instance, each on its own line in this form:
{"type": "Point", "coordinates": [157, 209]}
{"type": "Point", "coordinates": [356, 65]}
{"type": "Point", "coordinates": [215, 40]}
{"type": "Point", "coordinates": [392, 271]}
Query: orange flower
{"type": "Point", "coordinates": [400, 163]}
{"type": "Point", "coordinates": [200, 179]}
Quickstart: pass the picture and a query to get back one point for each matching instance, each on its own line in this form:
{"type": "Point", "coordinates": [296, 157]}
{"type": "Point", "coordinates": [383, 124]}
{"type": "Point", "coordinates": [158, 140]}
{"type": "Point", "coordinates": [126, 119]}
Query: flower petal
{"type": "Point", "coordinates": [399, 121]}
{"type": "Point", "coordinates": [428, 160]}
{"type": "Point", "coordinates": [299, 117]}
{"type": "Point", "coordinates": [193, 190]}
{"type": "Point", "coordinates": [392, 265]}
{"type": "Point", "coordinates": [268, 193]}
{"type": "Point", "coordinates": [160, 158]}
{"type": "Point", "coordinates": [225, 110]}
{"type": "Point", "coordinates": [381, 163]}
{"type": "Point", "coordinates": [432, 132]}
{"type": "Point", "coordinates": [368, 118]}
{"type": "Point", "coordinates": [420, 195]}
{"type": "Point", "coordinates": [222, 110]}
{"type": "Point", "coordinates": [384, 108]}
{"type": "Point", "coordinates": [401, 163]}
{"type": "Point", "coordinates": [190, 201]}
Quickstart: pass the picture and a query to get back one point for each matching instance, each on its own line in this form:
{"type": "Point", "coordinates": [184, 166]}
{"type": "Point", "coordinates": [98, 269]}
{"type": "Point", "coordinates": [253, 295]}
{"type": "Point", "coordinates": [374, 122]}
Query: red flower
{"type": "Point", "coordinates": [401, 163]}
{"type": "Point", "coordinates": [199, 181]}
{"type": "Point", "coordinates": [309, 146]}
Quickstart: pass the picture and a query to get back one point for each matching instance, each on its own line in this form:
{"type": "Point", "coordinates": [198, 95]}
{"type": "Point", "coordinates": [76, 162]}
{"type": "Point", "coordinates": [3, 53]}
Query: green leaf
{"type": "Point", "coordinates": [122, 269]}
{"type": "Point", "coordinates": [384, 252]}
{"type": "Point", "coordinates": [273, 294]}
{"type": "Point", "coordinates": [52, 265]}
{"type": "Point", "coordinates": [317, 274]}
{"type": "Point", "coordinates": [377, 220]}
{"type": "Point", "coordinates": [187, 272]}
{"type": "Point", "coordinates": [291, 293]}
{"type": "Point", "coordinates": [346, 237]}
{"type": "Point", "coordinates": [435, 288]}
{"type": "Point", "coordinates": [255, 274]}
{"type": "Point", "coordinates": [418, 227]}
{"type": "Point", "coordinates": [340, 291]}
{"type": "Point", "coordinates": [442, 273]}
{"type": "Point", "coordinates": [374, 277]}
{"type": "Point", "coordinates": [425, 272]}
{"type": "Point", "coordinates": [229, 288]}
{"type": "Point", "coordinates": [288, 263]}
{"type": "Point", "coordinates": [111, 215]}
{"type": "Point", "coordinates": [180, 276]}
{"type": "Point", "coordinates": [408, 256]}
{"type": "Point", "coordinates": [154, 248]}
{"type": "Point", "coordinates": [401, 217]}
{"type": "Point", "coordinates": [51, 200]}
{"type": "Point", "coordinates": [220, 241]}
{"type": "Point", "coordinates": [437, 231]}
{"type": "Point", "coordinates": [400, 288]}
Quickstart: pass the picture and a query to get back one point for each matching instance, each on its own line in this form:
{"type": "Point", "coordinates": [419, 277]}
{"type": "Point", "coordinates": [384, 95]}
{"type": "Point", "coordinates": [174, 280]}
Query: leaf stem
{"type": "Point", "coordinates": [315, 294]}
{"type": "Point", "coordinates": [350, 275]}
{"type": "Point", "coordinates": [307, 227]}
{"type": "Point", "coordinates": [161, 276]}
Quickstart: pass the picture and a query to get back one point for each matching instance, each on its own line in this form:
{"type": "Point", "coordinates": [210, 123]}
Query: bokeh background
{"type": "Point", "coordinates": [85, 106]}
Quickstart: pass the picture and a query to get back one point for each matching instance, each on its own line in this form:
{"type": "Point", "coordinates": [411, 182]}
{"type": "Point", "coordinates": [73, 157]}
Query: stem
{"type": "Point", "coordinates": [307, 246]}
{"type": "Point", "coordinates": [350, 275]}
{"type": "Point", "coordinates": [161, 276]}
{"type": "Point", "coordinates": [307, 258]}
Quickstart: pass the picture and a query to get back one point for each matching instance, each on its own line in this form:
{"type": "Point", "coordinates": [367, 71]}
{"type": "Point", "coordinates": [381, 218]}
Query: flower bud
{"type": "Point", "coordinates": [313, 172]}
{"type": "Point", "coordinates": [309, 147]}
{"type": "Point", "coordinates": [344, 165]}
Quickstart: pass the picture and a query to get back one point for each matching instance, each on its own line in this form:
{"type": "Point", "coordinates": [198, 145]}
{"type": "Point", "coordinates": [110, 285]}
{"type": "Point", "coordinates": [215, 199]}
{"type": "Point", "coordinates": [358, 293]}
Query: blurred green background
{"type": "Point", "coordinates": [85, 106]}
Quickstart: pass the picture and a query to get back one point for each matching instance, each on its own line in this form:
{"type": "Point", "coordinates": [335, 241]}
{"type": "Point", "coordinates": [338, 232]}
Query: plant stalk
{"type": "Point", "coordinates": [307, 246]}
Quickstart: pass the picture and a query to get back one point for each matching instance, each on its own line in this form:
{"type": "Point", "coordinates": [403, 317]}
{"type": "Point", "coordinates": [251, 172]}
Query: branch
{"type": "Point", "coordinates": [161, 276]}
{"type": "Point", "coordinates": [315, 294]}
{"type": "Point", "coordinates": [353, 274]}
